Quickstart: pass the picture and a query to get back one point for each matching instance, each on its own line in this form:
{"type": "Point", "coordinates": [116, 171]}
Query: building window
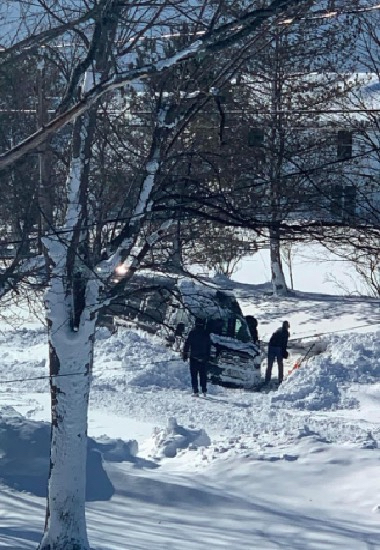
{"type": "Point", "coordinates": [343, 202]}
{"type": "Point", "coordinates": [336, 201]}
{"type": "Point", "coordinates": [344, 145]}
{"type": "Point", "coordinates": [256, 137]}
{"type": "Point", "coordinates": [349, 202]}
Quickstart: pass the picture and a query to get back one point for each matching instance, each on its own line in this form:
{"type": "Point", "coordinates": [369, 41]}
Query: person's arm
{"type": "Point", "coordinates": [285, 343]}
{"type": "Point", "coordinates": [209, 347]}
{"type": "Point", "coordinates": [186, 348]}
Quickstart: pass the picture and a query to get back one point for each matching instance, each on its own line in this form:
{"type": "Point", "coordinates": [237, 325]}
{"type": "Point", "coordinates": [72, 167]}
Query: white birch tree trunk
{"type": "Point", "coordinates": [277, 142]}
{"type": "Point", "coordinates": [71, 342]}
{"type": "Point", "coordinates": [71, 360]}
{"type": "Point", "coordinates": [72, 321]}
{"type": "Point", "coordinates": [71, 356]}
{"type": "Point", "coordinates": [278, 278]}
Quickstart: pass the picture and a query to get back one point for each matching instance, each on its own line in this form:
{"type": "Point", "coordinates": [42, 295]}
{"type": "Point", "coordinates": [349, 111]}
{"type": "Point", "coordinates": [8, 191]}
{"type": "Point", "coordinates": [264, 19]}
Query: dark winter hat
{"type": "Point", "coordinates": [251, 320]}
{"type": "Point", "coordinates": [285, 324]}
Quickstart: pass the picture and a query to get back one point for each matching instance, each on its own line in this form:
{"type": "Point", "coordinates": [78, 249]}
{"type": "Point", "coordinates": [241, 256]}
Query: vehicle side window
{"type": "Point", "coordinates": [218, 326]}
{"type": "Point", "coordinates": [241, 331]}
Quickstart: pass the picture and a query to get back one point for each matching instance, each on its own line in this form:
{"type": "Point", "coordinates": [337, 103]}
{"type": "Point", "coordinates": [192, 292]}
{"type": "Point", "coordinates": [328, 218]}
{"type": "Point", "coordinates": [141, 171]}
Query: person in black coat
{"type": "Point", "coordinates": [198, 348]}
{"type": "Point", "coordinates": [252, 325]}
{"type": "Point", "coordinates": [277, 350]}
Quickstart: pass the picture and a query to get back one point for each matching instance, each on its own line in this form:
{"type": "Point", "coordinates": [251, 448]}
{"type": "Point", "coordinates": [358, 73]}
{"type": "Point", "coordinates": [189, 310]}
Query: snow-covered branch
{"type": "Point", "coordinates": [133, 262]}
{"type": "Point", "coordinates": [127, 237]}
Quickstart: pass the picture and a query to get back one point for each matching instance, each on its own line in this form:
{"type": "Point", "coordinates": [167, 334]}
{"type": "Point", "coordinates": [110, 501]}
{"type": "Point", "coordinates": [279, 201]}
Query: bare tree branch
{"type": "Point", "coordinates": [213, 41]}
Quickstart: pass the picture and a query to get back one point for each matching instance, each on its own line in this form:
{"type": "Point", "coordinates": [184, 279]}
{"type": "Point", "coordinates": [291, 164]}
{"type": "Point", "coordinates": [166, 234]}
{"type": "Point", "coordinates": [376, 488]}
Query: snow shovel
{"type": "Point", "coordinates": [298, 363]}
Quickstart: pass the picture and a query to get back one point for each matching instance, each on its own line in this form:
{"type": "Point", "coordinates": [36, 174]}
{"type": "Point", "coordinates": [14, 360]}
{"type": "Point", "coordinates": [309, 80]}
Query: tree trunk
{"type": "Point", "coordinates": [71, 357]}
{"type": "Point", "coordinates": [175, 261]}
{"type": "Point", "coordinates": [290, 265]}
{"type": "Point", "coordinates": [278, 277]}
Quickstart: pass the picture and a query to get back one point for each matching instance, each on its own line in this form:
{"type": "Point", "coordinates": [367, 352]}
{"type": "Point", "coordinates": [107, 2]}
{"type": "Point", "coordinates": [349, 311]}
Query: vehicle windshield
{"type": "Point", "coordinates": [241, 330]}
{"type": "Point", "coordinates": [234, 327]}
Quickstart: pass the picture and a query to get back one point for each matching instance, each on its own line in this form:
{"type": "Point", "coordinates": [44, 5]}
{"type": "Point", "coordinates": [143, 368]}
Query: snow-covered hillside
{"type": "Point", "coordinates": [294, 469]}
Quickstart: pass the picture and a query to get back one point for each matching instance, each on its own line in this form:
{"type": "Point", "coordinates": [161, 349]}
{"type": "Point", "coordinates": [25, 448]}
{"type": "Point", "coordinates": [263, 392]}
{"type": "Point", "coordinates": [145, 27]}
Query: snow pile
{"type": "Point", "coordinates": [138, 360]}
{"type": "Point", "coordinates": [173, 374]}
{"type": "Point", "coordinates": [315, 387]}
{"type": "Point", "coordinates": [115, 450]}
{"type": "Point", "coordinates": [368, 441]}
{"type": "Point", "coordinates": [18, 363]}
{"type": "Point", "coordinates": [174, 437]}
{"type": "Point", "coordinates": [118, 347]}
{"type": "Point", "coordinates": [320, 384]}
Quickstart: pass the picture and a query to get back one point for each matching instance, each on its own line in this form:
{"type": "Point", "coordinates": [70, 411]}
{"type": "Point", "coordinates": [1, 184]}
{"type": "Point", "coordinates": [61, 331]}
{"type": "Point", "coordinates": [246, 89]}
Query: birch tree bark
{"type": "Point", "coordinates": [70, 358]}
{"type": "Point", "coordinates": [72, 304]}
{"type": "Point", "coordinates": [71, 337]}
{"type": "Point", "coordinates": [71, 315]}
{"type": "Point", "coordinates": [278, 278]}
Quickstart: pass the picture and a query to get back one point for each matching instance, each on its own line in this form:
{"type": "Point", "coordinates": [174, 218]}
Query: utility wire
{"type": "Point", "coordinates": [317, 334]}
{"type": "Point", "coordinates": [43, 377]}
{"type": "Point", "coordinates": [48, 376]}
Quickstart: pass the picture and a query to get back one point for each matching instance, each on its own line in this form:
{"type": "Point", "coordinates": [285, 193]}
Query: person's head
{"type": "Point", "coordinates": [252, 322]}
{"type": "Point", "coordinates": [286, 325]}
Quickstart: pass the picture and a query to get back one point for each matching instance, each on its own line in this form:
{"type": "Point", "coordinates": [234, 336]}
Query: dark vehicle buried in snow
{"type": "Point", "coordinates": [167, 305]}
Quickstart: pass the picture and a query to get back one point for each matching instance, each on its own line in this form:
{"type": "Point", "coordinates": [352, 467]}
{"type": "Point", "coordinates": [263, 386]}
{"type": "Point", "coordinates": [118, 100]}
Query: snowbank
{"type": "Point", "coordinates": [172, 374]}
{"type": "Point", "coordinates": [174, 437]}
{"type": "Point", "coordinates": [322, 382]}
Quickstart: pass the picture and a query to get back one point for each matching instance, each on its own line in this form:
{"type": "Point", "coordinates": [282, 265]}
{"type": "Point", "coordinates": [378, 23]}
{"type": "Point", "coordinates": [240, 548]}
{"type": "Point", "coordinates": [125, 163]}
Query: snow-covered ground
{"type": "Point", "coordinates": [313, 268]}
{"type": "Point", "coordinates": [293, 469]}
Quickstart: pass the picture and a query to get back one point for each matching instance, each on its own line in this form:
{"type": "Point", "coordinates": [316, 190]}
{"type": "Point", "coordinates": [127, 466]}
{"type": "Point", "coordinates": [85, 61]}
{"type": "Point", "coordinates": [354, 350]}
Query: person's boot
{"type": "Point", "coordinates": [195, 394]}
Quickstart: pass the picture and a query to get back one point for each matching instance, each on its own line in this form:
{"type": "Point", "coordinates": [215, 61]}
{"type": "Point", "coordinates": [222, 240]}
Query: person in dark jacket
{"type": "Point", "coordinates": [198, 348]}
{"type": "Point", "coordinates": [252, 325]}
{"type": "Point", "coordinates": [277, 350]}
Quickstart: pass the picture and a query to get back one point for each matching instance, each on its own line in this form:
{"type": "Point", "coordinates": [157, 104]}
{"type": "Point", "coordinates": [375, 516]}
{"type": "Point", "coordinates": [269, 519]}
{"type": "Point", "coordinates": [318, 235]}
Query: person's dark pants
{"type": "Point", "coordinates": [198, 369]}
{"type": "Point", "coordinates": [275, 353]}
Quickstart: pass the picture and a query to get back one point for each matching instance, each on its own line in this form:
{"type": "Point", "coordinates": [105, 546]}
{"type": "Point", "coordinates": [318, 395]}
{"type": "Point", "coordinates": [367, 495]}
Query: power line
{"type": "Point", "coordinates": [316, 335]}
{"type": "Point", "coordinates": [49, 376]}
